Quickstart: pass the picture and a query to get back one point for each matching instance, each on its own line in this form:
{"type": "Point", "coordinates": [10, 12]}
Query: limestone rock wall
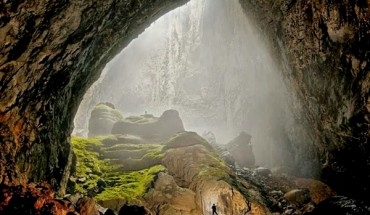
{"type": "Point", "coordinates": [323, 48]}
{"type": "Point", "coordinates": [50, 52]}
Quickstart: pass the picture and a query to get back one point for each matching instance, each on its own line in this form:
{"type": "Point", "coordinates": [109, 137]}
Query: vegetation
{"type": "Point", "coordinates": [108, 111]}
{"type": "Point", "coordinates": [118, 170]}
{"type": "Point", "coordinates": [183, 139]}
{"type": "Point", "coordinates": [143, 119]}
{"type": "Point", "coordinates": [129, 185]}
{"type": "Point", "coordinates": [125, 169]}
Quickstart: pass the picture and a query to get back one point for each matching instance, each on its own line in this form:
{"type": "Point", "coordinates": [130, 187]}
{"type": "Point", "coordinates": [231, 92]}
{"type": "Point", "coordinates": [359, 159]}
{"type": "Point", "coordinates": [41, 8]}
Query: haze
{"type": "Point", "coordinates": [207, 61]}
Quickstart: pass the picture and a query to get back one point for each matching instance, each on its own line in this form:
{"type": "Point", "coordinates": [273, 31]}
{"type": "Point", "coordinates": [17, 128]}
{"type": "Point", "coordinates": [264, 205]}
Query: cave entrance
{"type": "Point", "coordinates": [207, 61]}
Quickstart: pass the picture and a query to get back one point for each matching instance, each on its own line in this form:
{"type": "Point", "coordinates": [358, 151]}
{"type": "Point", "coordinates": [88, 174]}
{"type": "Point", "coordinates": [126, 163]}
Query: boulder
{"type": "Point", "coordinates": [170, 123]}
{"type": "Point", "coordinates": [262, 171]}
{"type": "Point", "coordinates": [102, 119]}
{"type": "Point", "coordinates": [87, 206]}
{"type": "Point", "coordinates": [167, 192]}
{"type": "Point", "coordinates": [149, 127]}
{"type": "Point", "coordinates": [319, 191]}
{"type": "Point", "coordinates": [241, 149]}
{"type": "Point", "coordinates": [195, 165]}
{"type": "Point", "coordinates": [297, 196]}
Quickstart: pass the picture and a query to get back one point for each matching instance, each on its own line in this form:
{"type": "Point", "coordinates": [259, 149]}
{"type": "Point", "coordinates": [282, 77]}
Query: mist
{"type": "Point", "coordinates": [206, 60]}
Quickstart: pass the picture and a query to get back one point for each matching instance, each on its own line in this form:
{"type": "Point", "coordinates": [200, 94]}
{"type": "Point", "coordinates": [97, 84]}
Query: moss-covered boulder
{"type": "Point", "coordinates": [156, 129]}
{"type": "Point", "coordinates": [102, 174]}
{"type": "Point", "coordinates": [196, 166]}
{"type": "Point", "coordinates": [181, 175]}
{"type": "Point", "coordinates": [102, 119]}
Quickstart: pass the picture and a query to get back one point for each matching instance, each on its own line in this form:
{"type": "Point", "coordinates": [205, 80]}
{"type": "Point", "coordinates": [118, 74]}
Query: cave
{"type": "Point", "coordinates": [52, 52]}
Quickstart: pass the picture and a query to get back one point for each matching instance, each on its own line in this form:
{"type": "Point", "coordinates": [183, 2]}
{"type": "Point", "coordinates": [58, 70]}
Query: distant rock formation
{"type": "Point", "coordinates": [102, 119]}
{"type": "Point", "coordinates": [149, 127]}
{"type": "Point", "coordinates": [241, 150]}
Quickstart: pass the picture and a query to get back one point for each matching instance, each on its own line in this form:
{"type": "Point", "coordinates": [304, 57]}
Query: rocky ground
{"type": "Point", "coordinates": [130, 174]}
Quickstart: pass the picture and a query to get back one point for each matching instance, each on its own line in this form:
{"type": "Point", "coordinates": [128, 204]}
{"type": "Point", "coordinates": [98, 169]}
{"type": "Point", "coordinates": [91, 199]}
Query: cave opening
{"type": "Point", "coordinates": [207, 61]}
{"type": "Point", "coordinates": [310, 62]}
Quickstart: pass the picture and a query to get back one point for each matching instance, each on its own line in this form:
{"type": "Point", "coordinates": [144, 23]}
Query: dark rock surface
{"type": "Point", "coordinates": [323, 50]}
{"type": "Point", "coordinates": [50, 53]}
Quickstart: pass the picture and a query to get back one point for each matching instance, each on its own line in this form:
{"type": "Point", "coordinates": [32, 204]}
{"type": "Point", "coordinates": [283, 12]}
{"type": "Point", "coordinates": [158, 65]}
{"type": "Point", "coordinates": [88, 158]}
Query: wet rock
{"type": "Point", "coordinates": [319, 191]}
{"type": "Point", "coordinates": [297, 196]}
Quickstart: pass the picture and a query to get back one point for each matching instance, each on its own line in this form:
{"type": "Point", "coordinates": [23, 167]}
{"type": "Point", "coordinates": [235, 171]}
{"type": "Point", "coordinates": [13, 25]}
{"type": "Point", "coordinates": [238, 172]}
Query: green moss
{"type": "Point", "coordinates": [96, 162]}
{"type": "Point", "coordinates": [183, 139]}
{"type": "Point", "coordinates": [129, 185]}
{"type": "Point", "coordinates": [215, 168]}
{"type": "Point", "coordinates": [104, 109]}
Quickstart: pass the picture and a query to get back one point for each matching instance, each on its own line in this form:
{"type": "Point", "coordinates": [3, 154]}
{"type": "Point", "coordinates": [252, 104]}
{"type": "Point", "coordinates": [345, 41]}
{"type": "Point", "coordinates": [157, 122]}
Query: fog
{"type": "Point", "coordinates": [207, 61]}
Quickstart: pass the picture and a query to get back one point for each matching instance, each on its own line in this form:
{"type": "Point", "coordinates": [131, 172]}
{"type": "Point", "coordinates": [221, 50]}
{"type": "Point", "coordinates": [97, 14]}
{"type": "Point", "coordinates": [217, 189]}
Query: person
{"type": "Point", "coordinates": [214, 209]}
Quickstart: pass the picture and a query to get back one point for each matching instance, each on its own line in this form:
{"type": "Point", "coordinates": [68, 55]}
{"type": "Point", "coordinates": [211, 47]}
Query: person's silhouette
{"type": "Point", "coordinates": [214, 210]}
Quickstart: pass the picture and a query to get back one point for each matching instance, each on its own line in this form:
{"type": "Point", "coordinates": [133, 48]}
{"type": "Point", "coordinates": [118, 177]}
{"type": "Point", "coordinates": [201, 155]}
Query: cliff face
{"type": "Point", "coordinates": [322, 47]}
{"type": "Point", "coordinates": [50, 52]}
